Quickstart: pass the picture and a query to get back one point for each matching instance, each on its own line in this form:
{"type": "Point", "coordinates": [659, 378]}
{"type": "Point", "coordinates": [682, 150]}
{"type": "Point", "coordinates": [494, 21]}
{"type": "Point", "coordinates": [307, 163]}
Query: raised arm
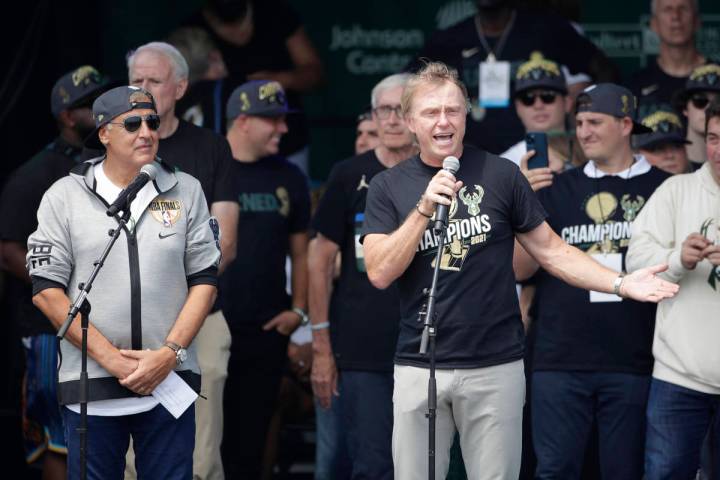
{"type": "Point", "coordinates": [580, 270]}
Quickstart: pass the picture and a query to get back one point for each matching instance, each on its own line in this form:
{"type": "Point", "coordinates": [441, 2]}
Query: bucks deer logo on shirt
{"type": "Point", "coordinates": [472, 200]}
{"type": "Point", "coordinates": [631, 208]}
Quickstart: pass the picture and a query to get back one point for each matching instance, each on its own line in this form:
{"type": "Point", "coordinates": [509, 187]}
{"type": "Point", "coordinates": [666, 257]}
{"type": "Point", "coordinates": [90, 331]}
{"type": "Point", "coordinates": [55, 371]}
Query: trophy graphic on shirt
{"type": "Point", "coordinates": [455, 251]}
{"type": "Point", "coordinates": [601, 208]}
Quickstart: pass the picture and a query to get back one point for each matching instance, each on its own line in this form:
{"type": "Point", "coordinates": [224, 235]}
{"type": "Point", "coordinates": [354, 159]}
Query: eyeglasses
{"type": "Point", "coordinates": [700, 101]}
{"type": "Point", "coordinates": [383, 112]}
{"type": "Point", "coordinates": [132, 124]}
{"type": "Point", "coordinates": [528, 98]}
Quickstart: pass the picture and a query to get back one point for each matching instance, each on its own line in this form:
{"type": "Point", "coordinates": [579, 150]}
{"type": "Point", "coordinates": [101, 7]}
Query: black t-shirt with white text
{"type": "Point", "coordinates": [19, 203]}
{"type": "Point", "coordinates": [274, 204]}
{"type": "Point", "coordinates": [571, 333]}
{"type": "Point", "coordinates": [364, 320]}
{"type": "Point", "coordinates": [477, 308]}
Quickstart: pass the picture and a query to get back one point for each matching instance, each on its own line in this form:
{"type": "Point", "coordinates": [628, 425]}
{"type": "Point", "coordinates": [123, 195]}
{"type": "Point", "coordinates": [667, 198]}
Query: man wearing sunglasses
{"type": "Point", "coordinates": [701, 88]}
{"type": "Point", "coordinates": [148, 302]}
{"type": "Point", "coordinates": [70, 102]}
{"type": "Point", "coordinates": [541, 103]}
{"type": "Point", "coordinates": [592, 355]}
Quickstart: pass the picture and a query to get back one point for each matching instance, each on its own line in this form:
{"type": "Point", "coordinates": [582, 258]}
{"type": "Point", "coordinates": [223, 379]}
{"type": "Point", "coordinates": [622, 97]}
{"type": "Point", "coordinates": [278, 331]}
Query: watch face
{"type": "Point", "coordinates": [181, 355]}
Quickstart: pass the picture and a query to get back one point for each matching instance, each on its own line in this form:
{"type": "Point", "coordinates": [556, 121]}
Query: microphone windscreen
{"type": "Point", "coordinates": [150, 170]}
{"type": "Point", "coordinates": [451, 164]}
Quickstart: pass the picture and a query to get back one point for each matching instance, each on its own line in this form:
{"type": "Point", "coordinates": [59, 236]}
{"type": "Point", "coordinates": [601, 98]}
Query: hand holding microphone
{"type": "Point", "coordinates": [440, 191]}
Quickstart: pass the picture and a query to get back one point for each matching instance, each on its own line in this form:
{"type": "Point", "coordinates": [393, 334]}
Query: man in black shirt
{"type": "Point", "coordinates": [675, 22]}
{"type": "Point", "coordinates": [160, 69]}
{"type": "Point", "coordinates": [592, 352]}
{"type": "Point", "coordinates": [480, 381]}
{"type": "Point", "coordinates": [500, 33]}
{"type": "Point", "coordinates": [71, 99]}
{"type": "Point", "coordinates": [364, 320]}
{"type": "Point", "coordinates": [275, 208]}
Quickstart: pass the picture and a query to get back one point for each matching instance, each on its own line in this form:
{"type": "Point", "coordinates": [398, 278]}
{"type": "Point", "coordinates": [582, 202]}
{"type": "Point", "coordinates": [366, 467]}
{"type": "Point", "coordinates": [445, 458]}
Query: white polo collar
{"type": "Point", "coordinates": [639, 167]}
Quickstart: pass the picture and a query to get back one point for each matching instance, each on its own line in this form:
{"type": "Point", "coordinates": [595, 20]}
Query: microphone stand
{"type": "Point", "coordinates": [81, 305]}
{"type": "Point", "coordinates": [428, 315]}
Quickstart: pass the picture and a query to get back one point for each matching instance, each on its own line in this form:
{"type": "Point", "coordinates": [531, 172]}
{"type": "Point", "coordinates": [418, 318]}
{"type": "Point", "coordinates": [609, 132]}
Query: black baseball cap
{"type": "Point", "coordinates": [539, 72]}
{"type": "Point", "coordinates": [705, 78]}
{"type": "Point", "coordinates": [666, 128]}
{"type": "Point", "coordinates": [610, 99]}
{"type": "Point", "coordinates": [260, 98]}
{"type": "Point", "coordinates": [76, 88]}
{"type": "Point", "coordinates": [115, 102]}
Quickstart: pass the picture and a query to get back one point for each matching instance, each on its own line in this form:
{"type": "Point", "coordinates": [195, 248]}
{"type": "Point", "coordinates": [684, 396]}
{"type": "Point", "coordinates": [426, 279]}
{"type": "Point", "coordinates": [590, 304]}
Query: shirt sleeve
{"type": "Point", "coordinates": [380, 214]}
{"type": "Point", "coordinates": [527, 212]}
{"type": "Point", "coordinates": [300, 208]}
{"type": "Point", "coordinates": [329, 217]}
{"type": "Point", "coordinates": [653, 236]}
{"type": "Point", "coordinates": [222, 183]}
{"type": "Point", "coordinates": [49, 247]}
{"type": "Point", "coordinates": [202, 241]}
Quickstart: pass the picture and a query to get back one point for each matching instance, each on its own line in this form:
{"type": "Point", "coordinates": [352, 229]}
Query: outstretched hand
{"type": "Point", "coordinates": [645, 286]}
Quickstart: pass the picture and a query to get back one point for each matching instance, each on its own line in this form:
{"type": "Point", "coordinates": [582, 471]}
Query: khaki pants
{"type": "Point", "coordinates": [484, 404]}
{"type": "Point", "coordinates": [213, 351]}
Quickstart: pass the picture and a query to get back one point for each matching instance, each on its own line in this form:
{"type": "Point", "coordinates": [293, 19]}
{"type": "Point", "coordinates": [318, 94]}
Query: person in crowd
{"type": "Point", "coordinates": [366, 133]}
{"type": "Point", "coordinates": [701, 88]}
{"type": "Point", "coordinates": [266, 41]}
{"type": "Point", "coordinates": [542, 104]}
{"type": "Point", "coordinates": [664, 147]}
{"type": "Point", "coordinates": [205, 62]}
{"type": "Point", "coordinates": [676, 23]}
{"type": "Point", "coordinates": [159, 68]}
{"type": "Point", "coordinates": [275, 205]}
{"type": "Point", "coordinates": [680, 225]}
{"type": "Point", "coordinates": [70, 102]}
{"type": "Point", "coordinates": [500, 34]}
{"type": "Point", "coordinates": [141, 326]}
{"type": "Point", "coordinates": [480, 377]}
{"type": "Point", "coordinates": [581, 373]}
{"type": "Point", "coordinates": [355, 328]}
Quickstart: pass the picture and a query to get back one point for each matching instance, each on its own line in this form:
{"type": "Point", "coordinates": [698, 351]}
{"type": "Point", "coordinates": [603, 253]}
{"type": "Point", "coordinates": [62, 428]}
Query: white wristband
{"type": "Point", "coordinates": [320, 326]}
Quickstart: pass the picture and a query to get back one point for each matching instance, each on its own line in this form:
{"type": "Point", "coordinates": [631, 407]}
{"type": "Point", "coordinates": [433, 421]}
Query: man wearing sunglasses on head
{"type": "Point", "coordinates": [701, 88]}
{"type": "Point", "coordinates": [70, 102]}
{"type": "Point", "coordinates": [148, 302]}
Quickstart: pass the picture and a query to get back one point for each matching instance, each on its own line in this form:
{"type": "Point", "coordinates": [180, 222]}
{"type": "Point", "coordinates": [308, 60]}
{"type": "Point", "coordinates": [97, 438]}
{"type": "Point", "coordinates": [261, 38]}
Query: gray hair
{"type": "Point", "coordinates": [693, 4]}
{"type": "Point", "coordinates": [395, 80]}
{"type": "Point", "coordinates": [177, 62]}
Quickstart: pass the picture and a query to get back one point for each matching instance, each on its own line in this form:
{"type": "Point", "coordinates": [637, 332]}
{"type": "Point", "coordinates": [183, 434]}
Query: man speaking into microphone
{"type": "Point", "coordinates": [479, 343]}
{"type": "Point", "coordinates": [148, 302]}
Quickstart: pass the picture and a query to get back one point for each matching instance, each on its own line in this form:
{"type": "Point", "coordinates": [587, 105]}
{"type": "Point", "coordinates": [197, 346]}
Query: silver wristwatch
{"type": "Point", "coordinates": [180, 352]}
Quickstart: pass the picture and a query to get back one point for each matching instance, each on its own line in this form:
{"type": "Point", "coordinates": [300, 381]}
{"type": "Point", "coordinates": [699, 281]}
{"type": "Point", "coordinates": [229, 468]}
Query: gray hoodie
{"type": "Point", "coordinates": [143, 285]}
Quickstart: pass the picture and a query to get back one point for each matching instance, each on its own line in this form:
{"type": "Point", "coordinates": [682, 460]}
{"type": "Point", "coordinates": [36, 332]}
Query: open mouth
{"type": "Point", "coordinates": [443, 138]}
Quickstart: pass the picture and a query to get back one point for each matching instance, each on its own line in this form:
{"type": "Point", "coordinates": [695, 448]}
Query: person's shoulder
{"type": "Point", "coordinates": [489, 161]}
{"type": "Point", "coordinates": [187, 181]}
{"type": "Point", "coordinates": [188, 130]}
{"type": "Point", "coordinates": [354, 164]}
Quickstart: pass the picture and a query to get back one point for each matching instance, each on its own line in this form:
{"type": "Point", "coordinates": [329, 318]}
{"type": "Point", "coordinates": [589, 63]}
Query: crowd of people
{"type": "Point", "coordinates": [579, 277]}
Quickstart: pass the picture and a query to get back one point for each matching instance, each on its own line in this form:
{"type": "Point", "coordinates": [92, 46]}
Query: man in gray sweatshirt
{"type": "Point", "coordinates": [156, 288]}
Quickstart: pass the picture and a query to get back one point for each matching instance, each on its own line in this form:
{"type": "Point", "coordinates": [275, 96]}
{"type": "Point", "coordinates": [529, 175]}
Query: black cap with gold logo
{"type": "Point", "coordinates": [610, 99]}
{"type": "Point", "coordinates": [76, 88]}
{"type": "Point", "coordinates": [115, 102]}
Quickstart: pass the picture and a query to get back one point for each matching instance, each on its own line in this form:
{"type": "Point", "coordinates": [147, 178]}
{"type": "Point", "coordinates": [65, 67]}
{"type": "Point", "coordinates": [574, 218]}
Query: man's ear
{"type": "Point", "coordinates": [66, 119]}
{"type": "Point", "coordinates": [104, 134]}
{"type": "Point", "coordinates": [181, 88]}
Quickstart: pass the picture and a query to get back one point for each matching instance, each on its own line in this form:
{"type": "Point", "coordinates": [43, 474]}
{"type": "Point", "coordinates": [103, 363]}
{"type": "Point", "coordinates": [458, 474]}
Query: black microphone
{"type": "Point", "coordinates": [125, 198]}
{"type": "Point", "coordinates": [452, 165]}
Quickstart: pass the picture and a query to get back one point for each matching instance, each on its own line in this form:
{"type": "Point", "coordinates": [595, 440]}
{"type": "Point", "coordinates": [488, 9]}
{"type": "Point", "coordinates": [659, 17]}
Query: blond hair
{"type": "Point", "coordinates": [433, 73]}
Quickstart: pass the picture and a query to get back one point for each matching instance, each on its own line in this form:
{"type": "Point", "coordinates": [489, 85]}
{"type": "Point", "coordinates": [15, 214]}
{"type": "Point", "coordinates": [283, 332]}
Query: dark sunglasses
{"type": "Point", "coordinates": [700, 101]}
{"type": "Point", "coordinates": [133, 123]}
{"type": "Point", "coordinates": [528, 98]}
